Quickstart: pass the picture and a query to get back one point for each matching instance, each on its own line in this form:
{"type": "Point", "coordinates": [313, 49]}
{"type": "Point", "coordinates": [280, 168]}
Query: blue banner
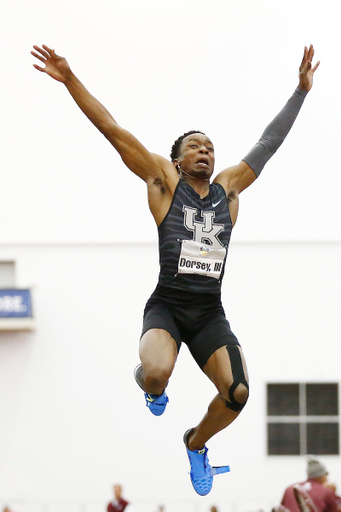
{"type": "Point", "coordinates": [15, 303]}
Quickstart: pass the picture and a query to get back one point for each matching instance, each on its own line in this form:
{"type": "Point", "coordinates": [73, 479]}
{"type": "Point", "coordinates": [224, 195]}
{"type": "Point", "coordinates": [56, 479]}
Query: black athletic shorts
{"type": "Point", "coordinates": [195, 319]}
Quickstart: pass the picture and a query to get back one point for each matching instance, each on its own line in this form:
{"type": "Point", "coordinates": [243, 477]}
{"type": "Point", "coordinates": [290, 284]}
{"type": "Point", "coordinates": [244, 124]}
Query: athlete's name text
{"type": "Point", "coordinates": [198, 265]}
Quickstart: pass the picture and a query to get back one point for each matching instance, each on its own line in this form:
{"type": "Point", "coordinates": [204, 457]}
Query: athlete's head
{"type": "Point", "coordinates": [176, 146]}
{"type": "Point", "coordinates": [193, 153]}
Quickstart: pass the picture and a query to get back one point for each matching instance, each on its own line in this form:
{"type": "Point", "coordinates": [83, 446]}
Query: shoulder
{"type": "Point", "coordinates": [236, 178]}
{"type": "Point", "coordinates": [290, 488]}
{"type": "Point", "coordinates": [168, 177]}
{"type": "Point", "coordinates": [167, 167]}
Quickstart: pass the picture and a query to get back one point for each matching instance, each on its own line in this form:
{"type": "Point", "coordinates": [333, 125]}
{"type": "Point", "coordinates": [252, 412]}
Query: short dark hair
{"type": "Point", "coordinates": [176, 146]}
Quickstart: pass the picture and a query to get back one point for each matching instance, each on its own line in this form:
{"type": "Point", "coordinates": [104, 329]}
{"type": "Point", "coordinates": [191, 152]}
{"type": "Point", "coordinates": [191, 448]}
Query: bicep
{"type": "Point", "coordinates": [134, 154]}
{"type": "Point", "coordinates": [236, 178]}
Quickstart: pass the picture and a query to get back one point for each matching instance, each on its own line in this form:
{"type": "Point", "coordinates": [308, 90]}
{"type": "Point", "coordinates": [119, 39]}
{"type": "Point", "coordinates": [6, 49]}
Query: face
{"type": "Point", "coordinates": [196, 156]}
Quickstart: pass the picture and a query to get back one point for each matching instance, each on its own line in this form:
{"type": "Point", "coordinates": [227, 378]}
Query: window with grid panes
{"type": "Point", "coordinates": [303, 418]}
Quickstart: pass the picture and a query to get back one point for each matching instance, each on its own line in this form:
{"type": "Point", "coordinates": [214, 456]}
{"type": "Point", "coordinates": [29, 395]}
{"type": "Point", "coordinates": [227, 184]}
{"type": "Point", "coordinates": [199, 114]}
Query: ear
{"type": "Point", "coordinates": [176, 165]}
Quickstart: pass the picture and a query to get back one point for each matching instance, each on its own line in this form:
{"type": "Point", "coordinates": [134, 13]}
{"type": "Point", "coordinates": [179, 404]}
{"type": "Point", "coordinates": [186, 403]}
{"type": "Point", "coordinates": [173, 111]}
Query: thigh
{"type": "Point", "coordinates": [160, 317]}
{"type": "Point", "coordinates": [211, 336]}
{"type": "Point", "coordinates": [222, 373]}
{"type": "Point", "coordinates": [160, 340]}
{"type": "Point", "coordinates": [158, 349]}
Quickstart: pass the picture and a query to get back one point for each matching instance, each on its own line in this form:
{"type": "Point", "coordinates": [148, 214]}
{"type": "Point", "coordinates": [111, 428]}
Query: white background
{"type": "Point", "coordinates": [162, 68]}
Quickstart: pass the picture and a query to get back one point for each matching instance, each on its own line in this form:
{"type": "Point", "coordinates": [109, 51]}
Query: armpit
{"type": "Point", "coordinates": [158, 183]}
{"type": "Point", "coordinates": [231, 196]}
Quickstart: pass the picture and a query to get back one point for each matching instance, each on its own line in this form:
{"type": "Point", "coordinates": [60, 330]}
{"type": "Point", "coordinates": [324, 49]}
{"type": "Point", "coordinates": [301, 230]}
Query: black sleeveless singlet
{"type": "Point", "coordinates": [193, 240]}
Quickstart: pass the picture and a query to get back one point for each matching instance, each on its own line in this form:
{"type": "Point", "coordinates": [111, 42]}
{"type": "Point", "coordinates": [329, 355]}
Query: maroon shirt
{"type": "Point", "coordinates": [324, 498]}
{"type": "Point", "coordinates": [117, 506]}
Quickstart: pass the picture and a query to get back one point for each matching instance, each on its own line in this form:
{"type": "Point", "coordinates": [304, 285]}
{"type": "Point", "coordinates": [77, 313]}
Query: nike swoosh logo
{"type": "Point", "coordinates": [216, 204]}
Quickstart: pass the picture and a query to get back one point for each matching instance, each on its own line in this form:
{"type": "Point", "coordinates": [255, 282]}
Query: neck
{"type": "Point", "coordinates": [184, 175]}
{"type": "Point", "coordinates": [201, 186]}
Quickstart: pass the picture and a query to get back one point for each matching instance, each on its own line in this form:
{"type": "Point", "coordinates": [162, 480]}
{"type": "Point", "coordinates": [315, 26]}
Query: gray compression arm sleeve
{"type": "Point", "coordinates": [275, 133]}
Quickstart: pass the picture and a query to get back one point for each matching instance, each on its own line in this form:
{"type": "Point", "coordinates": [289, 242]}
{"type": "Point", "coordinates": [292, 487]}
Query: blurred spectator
{"type": "Point", "coordinates": [323, 497]}
{"type": "Point", "coordinates": [338, 498]}
{"type": "Point", "coordinates": [118, 504]}
{"type": "Point", "coordinates": [213, 509]}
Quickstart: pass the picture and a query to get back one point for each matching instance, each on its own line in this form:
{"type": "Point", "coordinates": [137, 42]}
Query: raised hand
{"type": "Point", "coordinates": [55, 66]}
{"type": "Point", "coordinates": [306, 70]}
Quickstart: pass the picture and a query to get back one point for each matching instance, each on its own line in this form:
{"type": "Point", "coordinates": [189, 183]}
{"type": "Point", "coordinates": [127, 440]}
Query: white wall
{"type": "Point", "coordinates": [223, 67]}
{"type": "Point", "coordinates": [73, 421]}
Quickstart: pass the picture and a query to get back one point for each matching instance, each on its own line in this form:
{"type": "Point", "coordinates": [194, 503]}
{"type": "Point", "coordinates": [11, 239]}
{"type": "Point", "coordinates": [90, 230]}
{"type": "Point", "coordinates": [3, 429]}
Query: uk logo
{"type": "Point", "coordinates": [205, 232]}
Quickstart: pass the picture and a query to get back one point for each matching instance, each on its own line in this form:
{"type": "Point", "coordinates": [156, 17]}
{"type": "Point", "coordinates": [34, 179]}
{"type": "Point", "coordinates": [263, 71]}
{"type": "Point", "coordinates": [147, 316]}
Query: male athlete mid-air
{"type": "Point", "coordinates": [194, 220]}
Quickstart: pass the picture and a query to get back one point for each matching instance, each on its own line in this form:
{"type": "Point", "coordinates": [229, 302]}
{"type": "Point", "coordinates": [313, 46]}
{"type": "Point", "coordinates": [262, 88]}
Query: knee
{"type": "Point", "coordinates": [241, 393]}
{"type": "Point", "coordinates": [238, 391]}
{"type": "Point", "coordinates": [238, 395]}
{"type": "Point", "coordinates": [156, 377]}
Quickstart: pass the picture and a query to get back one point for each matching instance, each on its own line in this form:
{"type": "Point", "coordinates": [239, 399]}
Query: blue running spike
{"type": "Point", "coordinates": [156, 403]}
{"type": "Point", "coordinates": [218, 470]}
{"type": "Point", "coordinates": [201, 472]}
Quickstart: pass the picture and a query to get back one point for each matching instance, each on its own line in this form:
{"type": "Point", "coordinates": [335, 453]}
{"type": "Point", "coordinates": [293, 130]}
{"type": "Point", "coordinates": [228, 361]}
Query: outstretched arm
{"type": "Point", "coordinates": [237, 178]}
{"type": "Point", "coordinates": [133, 153]}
